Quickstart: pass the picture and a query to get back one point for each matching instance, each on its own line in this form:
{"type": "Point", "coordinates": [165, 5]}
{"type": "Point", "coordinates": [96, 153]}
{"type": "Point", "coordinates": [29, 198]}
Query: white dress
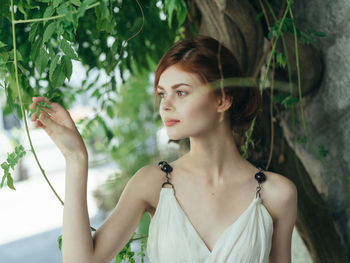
{"type": "Point", "coordinates": [173, 239]}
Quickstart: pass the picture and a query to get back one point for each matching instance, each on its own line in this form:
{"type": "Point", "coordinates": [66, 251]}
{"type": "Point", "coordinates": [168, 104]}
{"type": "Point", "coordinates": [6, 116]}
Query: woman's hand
{"type": "Point", "coordinates": [59, 125]}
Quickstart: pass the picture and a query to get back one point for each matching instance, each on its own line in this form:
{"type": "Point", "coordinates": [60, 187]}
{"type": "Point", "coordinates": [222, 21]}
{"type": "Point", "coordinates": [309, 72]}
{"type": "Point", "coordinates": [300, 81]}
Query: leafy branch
{"type": "Point", "coordinates": [12, 160]}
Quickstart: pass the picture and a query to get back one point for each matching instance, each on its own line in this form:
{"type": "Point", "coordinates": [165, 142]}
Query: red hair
{"type": "Point", "coordinates": [200, 56]}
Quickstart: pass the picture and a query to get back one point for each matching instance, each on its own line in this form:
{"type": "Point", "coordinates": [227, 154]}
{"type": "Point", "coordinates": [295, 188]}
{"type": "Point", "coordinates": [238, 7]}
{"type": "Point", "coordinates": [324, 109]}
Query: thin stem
{"type": "Point", "coordinates": [274, 40]}
{"type": "Point", "coordinates": [21, 101]}
{"type": "Point", "coordinates": [275, 43]}
{"type": "Point", "coordinates": [22, 107]}
{"type": "Point", "coordinates": [143, 22]}
{"type": "Point", "coordinates": [49, 18]}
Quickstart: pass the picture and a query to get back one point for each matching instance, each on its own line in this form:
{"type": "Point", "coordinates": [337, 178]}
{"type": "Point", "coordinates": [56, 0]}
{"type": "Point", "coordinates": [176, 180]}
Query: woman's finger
{"type": "Point", "coordinates": [55, 107]}
{"type": "Point", "coordinates": [33, 117]}
{"type": "Point", "coordinates": [50, 125]}
{"type": "Point", "coordinates": [38, 99]}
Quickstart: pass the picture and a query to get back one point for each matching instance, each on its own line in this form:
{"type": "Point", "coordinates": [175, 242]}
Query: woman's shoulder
{"type": "Point", "coordinates": [150, 179]}
{"type": "Point", "coordinates": [150, 174]}
{"type": "Point", "coordinates": [278, 192]}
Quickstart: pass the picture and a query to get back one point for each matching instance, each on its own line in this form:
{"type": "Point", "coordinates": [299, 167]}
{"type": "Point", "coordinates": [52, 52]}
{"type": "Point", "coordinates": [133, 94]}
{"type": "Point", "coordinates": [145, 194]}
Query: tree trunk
{"type": "Point", "coordinates": [234, 24]}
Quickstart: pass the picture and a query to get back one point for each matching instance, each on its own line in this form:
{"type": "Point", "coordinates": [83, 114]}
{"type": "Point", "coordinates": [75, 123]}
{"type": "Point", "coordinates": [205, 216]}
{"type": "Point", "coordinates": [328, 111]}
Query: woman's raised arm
{"type": "Point", "coordinates": [78, 245]}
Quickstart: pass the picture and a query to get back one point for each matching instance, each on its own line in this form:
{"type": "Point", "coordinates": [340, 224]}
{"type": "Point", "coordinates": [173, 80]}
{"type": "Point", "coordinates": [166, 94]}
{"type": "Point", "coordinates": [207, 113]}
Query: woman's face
{"type": "Point", "coordinates": [185, 98]}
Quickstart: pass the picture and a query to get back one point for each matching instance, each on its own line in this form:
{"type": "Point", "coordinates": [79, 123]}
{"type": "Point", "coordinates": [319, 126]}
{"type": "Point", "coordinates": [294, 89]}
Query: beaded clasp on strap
{"type": "Point", "coordinates": [260, 177]}
{"type": "Point", "coordinates": [165, 167]}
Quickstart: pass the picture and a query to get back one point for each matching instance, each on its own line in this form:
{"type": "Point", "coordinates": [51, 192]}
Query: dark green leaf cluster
{"type": "Point", "coordinates": [285, 99]}
{"type": "Point", "coordinates": [281, 60]}
{"type": "Point", "coordinates": [127, 254]}
{"type": "Point", "coordinates": [179, 7]}
{"type": "Point", "coordinates": [12, 160]}
{"type": "Point", "coordinates": [304, 37]}
{"type": "Point", "coordinates": [44, 49]}
{"type": "Point", "coordinates": [322, 151]}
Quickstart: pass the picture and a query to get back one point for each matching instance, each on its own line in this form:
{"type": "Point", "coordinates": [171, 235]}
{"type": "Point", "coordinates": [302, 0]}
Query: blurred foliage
{"type": "Point", "coordinates": [93, 36]}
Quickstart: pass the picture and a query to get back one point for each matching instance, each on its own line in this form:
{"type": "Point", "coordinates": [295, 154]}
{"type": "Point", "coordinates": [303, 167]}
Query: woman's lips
{"type": "Point", "coordinates": [171, 123]}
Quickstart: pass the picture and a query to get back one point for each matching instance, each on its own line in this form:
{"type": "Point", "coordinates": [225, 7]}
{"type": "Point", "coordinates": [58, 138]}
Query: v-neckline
{"type": "Point", "coordinates": [256, 198]}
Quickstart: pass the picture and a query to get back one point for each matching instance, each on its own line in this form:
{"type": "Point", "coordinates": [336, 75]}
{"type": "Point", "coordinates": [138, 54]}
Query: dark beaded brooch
{"type": "Point", "coordinates": [165, 167]}
{"type": "Point", "coordinates": [260, 177]}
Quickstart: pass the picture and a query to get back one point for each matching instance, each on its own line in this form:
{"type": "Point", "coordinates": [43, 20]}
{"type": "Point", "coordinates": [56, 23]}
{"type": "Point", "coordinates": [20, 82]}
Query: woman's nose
{"type": "Point", "coordinates": [166, 104]}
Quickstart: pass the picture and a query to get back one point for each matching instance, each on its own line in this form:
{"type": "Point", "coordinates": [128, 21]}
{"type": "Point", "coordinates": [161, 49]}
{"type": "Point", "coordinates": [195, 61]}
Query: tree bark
{"type": "Point", "coordinates": [233, 23]}
{"type": "Point", "coordinates": [314, 222]}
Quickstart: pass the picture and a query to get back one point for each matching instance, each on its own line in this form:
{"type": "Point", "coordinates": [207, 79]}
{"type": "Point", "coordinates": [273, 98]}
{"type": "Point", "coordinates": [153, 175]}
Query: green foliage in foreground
{"type": "Point", "coordinates": [11, 161]}
{"type": "Point", "coordinates": [51, 34]}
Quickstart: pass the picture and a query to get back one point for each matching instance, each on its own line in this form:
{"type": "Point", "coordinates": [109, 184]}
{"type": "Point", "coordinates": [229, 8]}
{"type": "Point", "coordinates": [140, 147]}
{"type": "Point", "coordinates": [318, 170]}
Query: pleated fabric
{"type": "Point", "coordinates": [173, 239]}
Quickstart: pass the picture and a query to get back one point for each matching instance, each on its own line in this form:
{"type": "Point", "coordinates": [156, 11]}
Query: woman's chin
{"type": "Point", "coordinates": [176, 137]}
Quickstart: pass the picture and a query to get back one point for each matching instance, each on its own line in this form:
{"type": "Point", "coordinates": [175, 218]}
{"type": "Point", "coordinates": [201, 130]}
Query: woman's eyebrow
{"type": "Point", "coordinates": [175, 86]}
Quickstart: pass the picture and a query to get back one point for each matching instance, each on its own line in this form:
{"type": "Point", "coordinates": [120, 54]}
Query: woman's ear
{"type": "Point", "coordinates": [223, 104]}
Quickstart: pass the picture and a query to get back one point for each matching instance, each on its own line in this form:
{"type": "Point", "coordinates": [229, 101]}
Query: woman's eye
{"type": "Point", "coordinates": [181, 91]}
{"type": "Point", "coordinates": [160, 94]}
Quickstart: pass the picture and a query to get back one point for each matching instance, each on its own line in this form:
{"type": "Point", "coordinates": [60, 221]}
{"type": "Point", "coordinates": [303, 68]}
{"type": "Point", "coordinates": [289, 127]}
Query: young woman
{"type": "Point", "coordinates": [211, 204]}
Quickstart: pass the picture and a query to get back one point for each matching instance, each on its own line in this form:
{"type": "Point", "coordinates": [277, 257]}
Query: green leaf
{"type": "Point", "coordinates": [53, 65]}
{"type": "Point", "coordinates": [21, 9]}
{"type": "Point", "coordinates": [35, 49]}
{"type": "Point", "coordinates": [10, 181]}
{"type": "Point", "coordinates": [2, 180]}
{"type": "Point", "coordinates": [171, 7]}
{"type": "Point", "coordinates": [2, 44]}
{"type": "Point", "coordinates": [67, 62]}
{"type": "Point", "coordinates": [55, 3]}
{"type": "Point", "coordinates": [43, 104]}
{"type": "Point", "coordinates": [320, 34]}
{"type": "Point", "coordinates": [58, 76]}
{"type": "Point", "coordinates": [59, 240]}
{"type": "Point", "coordinates": [41, 61]}
{"type": "Point", "coordinates": [32, 32]}
{"type": "Point", "coordinates": [322, 151]}
{"type": "Point", "coordinates": [76, 2]}
{"type": "Point", "coordinates": [4, 56]}
{"type": "Point", "coordinates": [281, 60]}
{"type": "Point", "coordinates": [181, 12]}
{"type": "Point", "coordinates": [5, 166]}
{"type": "Point", "coordinates": [302, 139]}
{"type": "Point", "coordinates": [50, 29]}
{"type": "Point", "coordinates": [12, 160]}
{"type": "Point", "coordinates": [68, 50]}
{"type": "Point", "coordinates": [289, 101]}
{"type": "Point", "coordinates": [278, 98]}
{"type": "Point", "coordinates": [18, 55]}
{"type": "Point", "coordinates": [38, 109]}
{"type": "Point", "coordinates": [259, 15]}
{"type": "Point", "coordinates": [110, 111]}
{"type": "Point", "coordinates": [309, 30]}
{"type": "Point", "coordinates": [51, 52]}
{"type": "Point", "coordinates": [83, 6]}
{"type": "Point", "coordinates": [49, 11]}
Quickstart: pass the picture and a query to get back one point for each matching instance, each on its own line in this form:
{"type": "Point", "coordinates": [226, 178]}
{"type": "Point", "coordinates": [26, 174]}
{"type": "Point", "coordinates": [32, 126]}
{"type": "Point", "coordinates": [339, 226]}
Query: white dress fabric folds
{"type": "Point", "coordinates": [173, 239]}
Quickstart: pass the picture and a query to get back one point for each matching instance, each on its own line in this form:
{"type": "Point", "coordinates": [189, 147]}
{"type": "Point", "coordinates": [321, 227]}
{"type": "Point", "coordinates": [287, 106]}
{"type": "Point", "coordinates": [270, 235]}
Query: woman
{"type": "Point", "coordinates": [211, 204]}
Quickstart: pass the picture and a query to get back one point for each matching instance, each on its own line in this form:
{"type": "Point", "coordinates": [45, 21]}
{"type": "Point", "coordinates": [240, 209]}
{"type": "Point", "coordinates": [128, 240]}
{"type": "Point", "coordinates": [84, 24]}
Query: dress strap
{"type": "Point", "coordinates": [165, 167]}
{"type": "Point", "coordinates": [260, 177]}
